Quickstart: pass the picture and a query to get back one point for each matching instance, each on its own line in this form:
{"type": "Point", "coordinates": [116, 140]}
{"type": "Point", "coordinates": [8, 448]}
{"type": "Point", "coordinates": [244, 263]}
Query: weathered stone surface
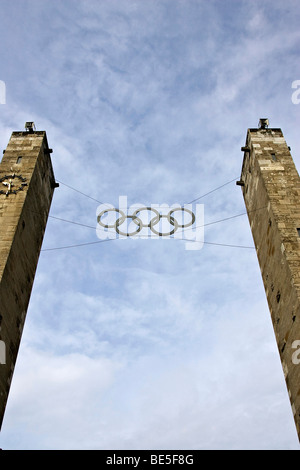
{"type": "Point", "coordinates": [23, 218]}
{"type": "Point", "coordinates": [271, 192]}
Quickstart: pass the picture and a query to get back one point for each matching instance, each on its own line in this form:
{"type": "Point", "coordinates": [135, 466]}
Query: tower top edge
{"type": "Point", "coordinates": [42, 135]}
{"type": "Point", "coordinates": [25, 133]}
{"type": "Point", "coordinates": [255, 129]}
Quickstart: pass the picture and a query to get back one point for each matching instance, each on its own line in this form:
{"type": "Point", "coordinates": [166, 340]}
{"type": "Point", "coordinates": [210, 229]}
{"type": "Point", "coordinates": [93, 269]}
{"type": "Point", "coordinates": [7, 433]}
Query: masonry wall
{"type": "Point", "coordinates": [271, 192]}
{"type": "Point", "coordinates": [23, 217]}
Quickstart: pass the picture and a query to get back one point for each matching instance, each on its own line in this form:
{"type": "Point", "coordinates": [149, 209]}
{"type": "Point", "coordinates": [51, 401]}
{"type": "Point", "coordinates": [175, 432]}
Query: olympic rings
{"type": "Point", "coordinates": [140, 224]}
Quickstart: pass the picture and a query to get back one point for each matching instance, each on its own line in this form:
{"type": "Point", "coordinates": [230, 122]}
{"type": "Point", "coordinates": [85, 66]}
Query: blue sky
{"type": "Point", "coordinates": [141, 344]}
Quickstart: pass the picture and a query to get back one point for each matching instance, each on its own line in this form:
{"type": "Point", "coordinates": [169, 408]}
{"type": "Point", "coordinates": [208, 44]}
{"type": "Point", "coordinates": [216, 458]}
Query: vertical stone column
{"type": "Point", "coordinates": [26, 189]}
{"type": "Point", "coordinates": [271, 190]}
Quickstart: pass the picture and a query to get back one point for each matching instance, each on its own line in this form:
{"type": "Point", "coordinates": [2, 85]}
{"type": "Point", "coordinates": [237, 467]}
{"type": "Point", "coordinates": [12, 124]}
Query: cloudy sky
{"type": "Point", "coordinates": [142, 344]}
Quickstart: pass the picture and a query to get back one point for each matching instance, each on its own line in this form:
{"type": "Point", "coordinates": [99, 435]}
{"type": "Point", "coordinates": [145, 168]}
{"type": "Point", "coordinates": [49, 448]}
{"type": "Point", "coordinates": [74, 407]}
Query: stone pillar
{"type": "Point", "coordinates": [271, 190]}
{"type": "Point", "coordinates": [26, 189]}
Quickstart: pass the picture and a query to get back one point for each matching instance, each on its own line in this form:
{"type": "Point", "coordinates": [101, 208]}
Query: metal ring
{"type": "Point", "coordinates": [148, 209]}
{"type": "Point", "coordinates": [132, 233]}
{"type": "Point", "coordinates": [162, 234]}
{"type": "Point", "coordinates": [123, 217]}
{"type": "Point", "coordinates": [186, 210]}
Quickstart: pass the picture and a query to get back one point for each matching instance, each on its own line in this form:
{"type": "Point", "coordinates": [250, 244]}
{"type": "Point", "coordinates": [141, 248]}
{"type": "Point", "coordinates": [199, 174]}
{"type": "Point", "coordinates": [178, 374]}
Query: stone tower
{"type": "Point", "coordinates": [271, 190]}
{"type": "Point", "coordinates": [26, 189]}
